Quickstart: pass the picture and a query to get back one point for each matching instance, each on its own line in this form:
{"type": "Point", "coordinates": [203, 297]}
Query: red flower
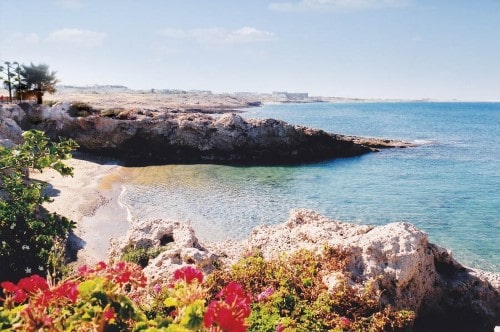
{"type": "Point", "coordinates": [230, 310]}
{"type": "Point", "coordinates": [68, 289]}
{"type": "Point", "coordinates": [123, 273]}
{"type": "Point", "coordinates": [109, 313]}
{"type": "Point", "coordinates": [100, 266]}
{"type": "Point", "coordinates": [33, 284]}
{"type": "Point", "coordinates": [83, 270]}
{"type": "Point", "coordinates": [8, 286]}
{"type": "Point", "coordinates": [280, 327]}
{"type": "Point", "coordinates": [19, 295]}
{"type": "Point", "coordinates": [188, 274]}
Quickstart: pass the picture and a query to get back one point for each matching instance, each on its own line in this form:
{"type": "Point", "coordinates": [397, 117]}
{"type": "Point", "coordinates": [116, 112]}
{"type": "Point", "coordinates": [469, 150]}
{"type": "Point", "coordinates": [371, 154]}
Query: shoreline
{"type": "Point", "coordinates": [91, 199]}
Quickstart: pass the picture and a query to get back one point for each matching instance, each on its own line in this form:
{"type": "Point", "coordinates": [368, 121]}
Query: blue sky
{"type": "Point", "coordinates": [352, 48]}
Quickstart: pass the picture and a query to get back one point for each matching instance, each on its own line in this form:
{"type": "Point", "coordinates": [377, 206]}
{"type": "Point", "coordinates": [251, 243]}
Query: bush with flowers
{"type": "Point", "coordinates": [115, 298]}
{"type": "Point", "coordinates": [255, 295]}
{"type": "Point", "coordinates": [290, 295]}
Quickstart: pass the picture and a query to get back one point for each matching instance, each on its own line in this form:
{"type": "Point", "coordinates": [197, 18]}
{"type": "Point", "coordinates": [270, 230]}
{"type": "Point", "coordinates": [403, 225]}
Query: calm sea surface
{"type": "Point", "coordinates": [449, 186]}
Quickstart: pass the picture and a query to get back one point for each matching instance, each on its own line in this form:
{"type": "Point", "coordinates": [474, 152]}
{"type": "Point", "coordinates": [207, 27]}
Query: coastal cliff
{"type": "Point", "coordinates": [146, 137]}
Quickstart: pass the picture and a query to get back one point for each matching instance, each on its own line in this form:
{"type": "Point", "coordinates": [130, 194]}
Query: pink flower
{"type": "Point", "coordinates": [279, 327]}
{"type": "Point", "coordinates": [157, 288]}
{"type": "Point", "coordinates": [83, 270]}
{"type": "Point", "coordinates": [188, 274]}
{"type": "Point", "coordinates": [265, 294]}
{"type": "Point", "coordinates": [345, 322]}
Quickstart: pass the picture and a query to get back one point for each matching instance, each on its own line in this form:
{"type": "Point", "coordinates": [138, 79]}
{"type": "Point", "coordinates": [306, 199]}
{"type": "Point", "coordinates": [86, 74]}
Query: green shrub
{"type": "Point", "coordinates": [141, 256]}
{"type": "Point", "coordinates": [291, 295]}
{"type": "Point", "coordinates": [28, 233]}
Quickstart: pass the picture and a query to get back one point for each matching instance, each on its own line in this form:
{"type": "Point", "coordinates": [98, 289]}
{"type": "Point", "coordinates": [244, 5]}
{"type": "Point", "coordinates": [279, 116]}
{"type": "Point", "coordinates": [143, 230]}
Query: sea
{"type": "Point", "coordinates": [448, 185]}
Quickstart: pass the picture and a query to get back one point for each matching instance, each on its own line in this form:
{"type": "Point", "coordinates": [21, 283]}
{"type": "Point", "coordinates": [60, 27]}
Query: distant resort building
{"type": "Point", "coordinates": [291, 95]}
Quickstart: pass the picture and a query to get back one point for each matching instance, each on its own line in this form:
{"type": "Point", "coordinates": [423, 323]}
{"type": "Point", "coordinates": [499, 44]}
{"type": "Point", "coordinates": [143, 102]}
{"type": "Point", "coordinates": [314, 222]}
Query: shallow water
{"type": "Point", "coordinates": [448, 186]}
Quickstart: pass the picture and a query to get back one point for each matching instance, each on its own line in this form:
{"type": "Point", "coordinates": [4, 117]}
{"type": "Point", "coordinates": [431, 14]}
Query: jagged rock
{"type": "Point", "coordinates": [411, 272]}
{"type": "Point", "coordinates": [164, 137]}
{"type": "Point", "coordinates": [176, 241]}
{"type": "Point", "coordinates": [10, 132]}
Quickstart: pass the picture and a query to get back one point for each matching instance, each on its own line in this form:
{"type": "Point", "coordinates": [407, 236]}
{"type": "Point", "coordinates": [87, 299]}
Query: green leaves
{"type": "Point", "coordinates": [27, 232]}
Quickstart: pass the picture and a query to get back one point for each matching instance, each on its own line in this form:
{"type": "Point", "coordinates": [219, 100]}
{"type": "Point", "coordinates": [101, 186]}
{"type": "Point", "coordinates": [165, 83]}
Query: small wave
{"type": "Point", "coordinates": [423, 141]}
{"type": "Point", "coordinates": [128, 208]}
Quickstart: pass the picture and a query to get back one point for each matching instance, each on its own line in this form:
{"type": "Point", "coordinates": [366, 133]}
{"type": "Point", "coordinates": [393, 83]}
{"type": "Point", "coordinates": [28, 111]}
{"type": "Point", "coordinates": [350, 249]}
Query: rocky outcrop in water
{"type": "Point", "coordinates": [410, 272]}
{"type": "Point", "coordinates": [140, 137]}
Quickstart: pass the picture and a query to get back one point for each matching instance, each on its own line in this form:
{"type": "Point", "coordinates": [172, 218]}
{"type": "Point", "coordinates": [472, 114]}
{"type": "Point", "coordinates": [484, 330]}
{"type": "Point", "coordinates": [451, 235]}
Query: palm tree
{"type": "Point", "coordinates": [19, 81]}
{"type": "Point", "coordinates": [8, 82]}
{"type": "Point", "coordinates": [39, 79]}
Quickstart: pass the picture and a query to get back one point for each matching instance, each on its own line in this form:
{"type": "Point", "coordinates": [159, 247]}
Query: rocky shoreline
{"type": "Point", "coordinates": [140, 137]}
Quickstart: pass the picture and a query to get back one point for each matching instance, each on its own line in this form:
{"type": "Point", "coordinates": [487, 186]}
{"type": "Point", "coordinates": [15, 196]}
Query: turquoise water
{"type": "Point", "coordinates": [448, 186]}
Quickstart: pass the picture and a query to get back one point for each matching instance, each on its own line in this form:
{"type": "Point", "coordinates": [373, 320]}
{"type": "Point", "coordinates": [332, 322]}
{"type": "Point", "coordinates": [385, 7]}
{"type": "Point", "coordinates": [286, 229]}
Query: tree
{"type": "Point", "coordinates": [19, 81]}
{"type": "Point", "coordinates": [8, 81]}
{"type": "Point", "coordinates": [38, 80]}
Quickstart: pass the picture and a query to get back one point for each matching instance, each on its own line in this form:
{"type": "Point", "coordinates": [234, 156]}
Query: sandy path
{"type": "Point", "coordinates": [90, 198]}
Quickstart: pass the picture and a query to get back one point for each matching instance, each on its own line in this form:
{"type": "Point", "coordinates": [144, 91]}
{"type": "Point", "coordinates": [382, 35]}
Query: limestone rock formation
{"type": "Point", "coordinates": [10, 132]}
{"type": "Point", "coordinates": [174, 243]}
{"type": "Point", "coordinates": [411, 272]}
{"type": "Point", "coordinates": [140, 137]}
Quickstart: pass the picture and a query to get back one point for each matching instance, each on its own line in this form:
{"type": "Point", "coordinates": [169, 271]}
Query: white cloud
{"type": "Point", "coordinates": [332, 5]}
{"type": "Point", "coordinates": [220, 35]}
{"type": "Point", "coordinates": [249, 35]}
{"type": "Point", "coordinates": [78, 37]}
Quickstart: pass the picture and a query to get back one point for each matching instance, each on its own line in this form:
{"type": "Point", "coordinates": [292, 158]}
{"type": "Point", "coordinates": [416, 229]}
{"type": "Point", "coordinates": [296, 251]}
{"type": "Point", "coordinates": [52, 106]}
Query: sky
{"type": "Point", "coordinates": [409, 49]}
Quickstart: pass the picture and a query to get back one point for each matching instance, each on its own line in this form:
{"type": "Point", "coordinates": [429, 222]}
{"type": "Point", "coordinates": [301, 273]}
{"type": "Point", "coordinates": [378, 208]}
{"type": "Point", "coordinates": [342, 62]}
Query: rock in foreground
{"type": "Point", "coordinates": [412, 273]}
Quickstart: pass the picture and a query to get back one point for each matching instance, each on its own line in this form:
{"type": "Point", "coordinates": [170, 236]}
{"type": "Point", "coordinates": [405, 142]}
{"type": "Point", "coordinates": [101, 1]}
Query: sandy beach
{"type": "Point", "coordinates": [91, 199]}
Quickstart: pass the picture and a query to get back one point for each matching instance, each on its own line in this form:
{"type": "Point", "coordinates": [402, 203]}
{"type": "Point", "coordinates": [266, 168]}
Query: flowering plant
{"type": "Point", "coordinates": [97, 299]}
{"type": "Point", "coordinates": [111, 298]}
{"type": "Point", "coordinates": [183, 303]}
{"type": "Point", "coordinates": [229, 311]}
